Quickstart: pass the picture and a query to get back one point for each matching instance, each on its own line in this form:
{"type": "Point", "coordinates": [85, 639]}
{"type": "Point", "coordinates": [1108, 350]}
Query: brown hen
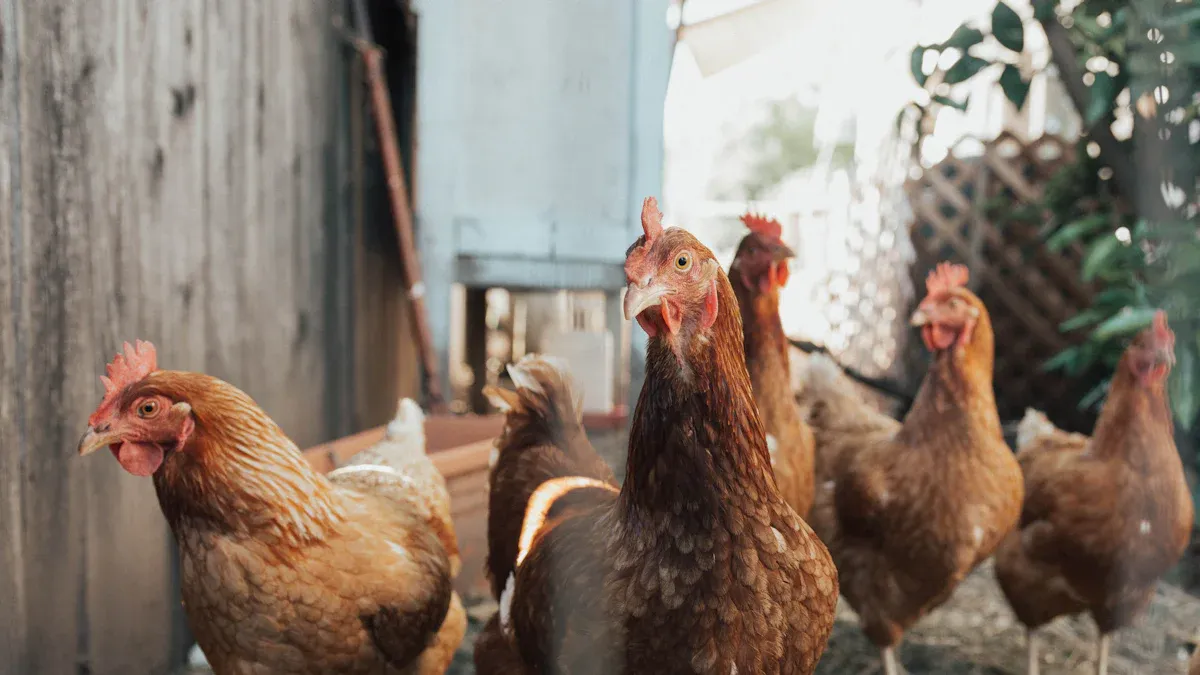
{"type": "Point", "coordinates": [696, 565]}
{"type": "Point", "coordinates": [909, 508]}
{"type": "Point", "coordinates": [758, 271]}
{"type": "Point", "coordinates": [284, 570]}
{"type": "Point", "coordinates": [1105, 516]}
{"type": "Point", "coordinates": [543, 439]}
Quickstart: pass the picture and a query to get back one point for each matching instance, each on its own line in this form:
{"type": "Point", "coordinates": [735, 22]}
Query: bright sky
{"type": "Point", "coordinates": [851, 59]}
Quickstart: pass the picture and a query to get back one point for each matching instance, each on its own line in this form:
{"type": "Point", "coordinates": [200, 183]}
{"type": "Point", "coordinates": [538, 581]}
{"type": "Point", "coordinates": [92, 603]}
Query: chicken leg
{"type": "Point", "coordinates": [1102, 654]}
{"type": "Point", "coordinates": [1035, 666]}
{"type": "Point", "coordinates": [891, 666]}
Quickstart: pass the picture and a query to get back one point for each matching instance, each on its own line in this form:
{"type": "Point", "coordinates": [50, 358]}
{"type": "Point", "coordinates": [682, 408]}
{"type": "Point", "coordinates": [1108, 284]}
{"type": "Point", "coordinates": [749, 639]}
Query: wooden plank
{"type": "Point", "coordinates": [444, 432]}
{"type": "Point", "coordinates": [463, 461]}
{"type": "Point", "coordinates": [138, 173]}
{"type": "Point", "coordinates": [52, 316]}
{"type": "Point", "coordinates": [13, 653]}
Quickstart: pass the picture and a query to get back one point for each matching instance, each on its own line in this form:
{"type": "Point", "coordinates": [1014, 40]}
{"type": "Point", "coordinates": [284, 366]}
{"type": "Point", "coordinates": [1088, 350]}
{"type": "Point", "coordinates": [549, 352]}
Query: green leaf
{"type": "Point", "coordinates": [1015, 87]}
{"type": "Point", "coordinates": [1007, 27]}
{"type": "Point", "coordinates": [1124, 323]}
{"type": "Point", "coordinates": [1085, 318]}
{"type": "Point", "coordinates": [964, 68]}
{"type": "Point", "coordinates": [1043, 10]}
{"type": "Point", "coordinates": [1184, 17]}
{"type": "Point", "coordinates": [1104, 92]}
{"type": "Point", "coordinates": [1098, 255]}
{"type": "Point", "coordinates": [1115, 298]}
{"type": "Point", "coordinates": [1065, 360]}
{"type": "Point", "coordinates": [1094, 396]}
{"type": "Point", "coordinates": [944, 100]}
{"type": "Point", "coordinates": [918, 58]}
{"type": "Point", "coordinates": [1185, 400]}
{"type": "Point", "coordinates": [1076, 230]}
{"type": "Point", "coordinates": [964, 38]}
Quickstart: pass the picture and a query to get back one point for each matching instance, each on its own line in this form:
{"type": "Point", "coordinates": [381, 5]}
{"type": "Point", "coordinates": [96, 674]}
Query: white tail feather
{"type": "Point", "coordinates": [409, 422]}
{"type": "Point", "coordinates": [1033, 426]}
{"type": "Point", "coordinates": [522, 376]}
{"type": "Point", "coordinates": [822, 373]}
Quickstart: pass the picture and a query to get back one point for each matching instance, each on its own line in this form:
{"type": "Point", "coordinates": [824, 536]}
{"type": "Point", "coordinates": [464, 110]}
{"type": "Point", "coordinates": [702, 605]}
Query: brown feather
{"type": "Point", "coordinates": [767, 359]}
{"type": "Point", "coordinates": [1103, 517]}
{"type": "Point", "coordinates": [908, 509]}
{"type": "Point", "coordinates": [283, 570]}
{"type": "Point", "coordinates": [697, 565]}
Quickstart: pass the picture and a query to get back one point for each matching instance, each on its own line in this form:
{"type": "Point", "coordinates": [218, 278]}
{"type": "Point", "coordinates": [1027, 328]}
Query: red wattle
{"type": "Point", "coordinates": [937, 338]}
{"type": "Point", "coordinates": [139, 459]}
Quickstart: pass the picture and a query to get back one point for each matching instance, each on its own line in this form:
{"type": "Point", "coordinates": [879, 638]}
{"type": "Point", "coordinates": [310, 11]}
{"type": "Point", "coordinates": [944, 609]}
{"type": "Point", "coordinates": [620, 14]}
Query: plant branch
{"type": "Point", "coordinates": [1062, 53]}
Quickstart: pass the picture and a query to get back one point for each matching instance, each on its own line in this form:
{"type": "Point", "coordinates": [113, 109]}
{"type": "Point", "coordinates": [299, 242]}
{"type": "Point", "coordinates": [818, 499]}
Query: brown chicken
{"type": "Point", "coordinates": [696, 565]}
{"type": "Point", "coordinates": [284, 570]}
{"type": "Point", "coordinates": [543, 439]}
{"type": "Point", "coordinates": [1105, 516]}
{"type": "Point", "coordinates": [909, 508]}
{"type": "Point", "coordinates": [758, 271]}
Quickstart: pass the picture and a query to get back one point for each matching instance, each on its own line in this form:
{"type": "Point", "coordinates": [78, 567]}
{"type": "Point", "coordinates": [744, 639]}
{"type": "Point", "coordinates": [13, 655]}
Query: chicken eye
{"type": "Point", "coordinates": [683, 261]}
{"type": "Point", "coordinates": [147, 409]}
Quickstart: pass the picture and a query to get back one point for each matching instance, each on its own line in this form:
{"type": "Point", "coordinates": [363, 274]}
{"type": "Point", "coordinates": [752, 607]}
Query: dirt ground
{"type": "Point", "coordinates": [976, 634]}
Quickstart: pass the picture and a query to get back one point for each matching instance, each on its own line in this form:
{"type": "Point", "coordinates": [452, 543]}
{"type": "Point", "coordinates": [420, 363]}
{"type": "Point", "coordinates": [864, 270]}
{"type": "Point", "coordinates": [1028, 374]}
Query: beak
{"type": "Point", "coordinates": [780, 252]}
{"type": "Point", "coordinates": [638, 299]}
{"type": "Point", "coordinates": [93, 440]}
{"type": "Point", "coordinates": [919, 318]}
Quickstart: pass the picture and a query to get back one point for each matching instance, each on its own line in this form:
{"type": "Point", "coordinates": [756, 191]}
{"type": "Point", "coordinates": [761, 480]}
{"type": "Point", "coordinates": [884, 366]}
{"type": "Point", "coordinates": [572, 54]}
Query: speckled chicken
{"type": "Point", "coordinates": [909, 508]}
{"type": "Point", "coordinates": [758, 272]}
{"type": "Point", "coordinates": [284, 570]}
{"type": "Point", "coordinates": [1105, 516]}
{"type": "Point", "coordinates": [696, 564]}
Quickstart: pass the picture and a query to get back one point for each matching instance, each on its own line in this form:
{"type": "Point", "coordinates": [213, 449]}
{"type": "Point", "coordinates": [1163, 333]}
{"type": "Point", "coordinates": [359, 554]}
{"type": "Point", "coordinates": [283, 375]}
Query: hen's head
{"type": "Point", "coordinates": [672, 280]}
{"type": "Point", "coordinates": [762, 257]}
{"type": "Point", "coordinates": [1152, 353]}
{"type": "Point", "coordinates": [139, 423]}
{"type": "Point", "coordinates": [950, 312]}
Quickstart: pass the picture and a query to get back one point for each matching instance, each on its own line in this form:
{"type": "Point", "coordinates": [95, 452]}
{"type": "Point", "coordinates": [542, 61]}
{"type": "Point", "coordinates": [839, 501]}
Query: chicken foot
{"type": "Point", "coordinates": [891, 665]}
{"type": "Point", "coordinates": [1102, 654]}
{"type": "Point", "coordinates": [1035, 666]}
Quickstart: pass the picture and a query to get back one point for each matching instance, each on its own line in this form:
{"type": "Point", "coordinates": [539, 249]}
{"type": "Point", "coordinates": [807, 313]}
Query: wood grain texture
{"type": "Point", "coordinates": [165, 174]}
{"type": "Point", "coordinates": [12, 573]}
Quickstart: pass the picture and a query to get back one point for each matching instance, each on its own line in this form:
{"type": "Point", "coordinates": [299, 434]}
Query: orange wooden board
{"type": "Point", "coordinates": [460, 446]}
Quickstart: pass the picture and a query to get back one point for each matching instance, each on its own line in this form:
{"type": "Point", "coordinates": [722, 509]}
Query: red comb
{"type": "Point", "coordinates": [763, 225]}
{"type": "Point", "coordinates": [945, 277]}
{"type": "Point", "coordinates": [132, 365]}
{"type": "Point", "coordinates": [651, 219]}
{"type": "Point", "coordinates": [1161, 330]}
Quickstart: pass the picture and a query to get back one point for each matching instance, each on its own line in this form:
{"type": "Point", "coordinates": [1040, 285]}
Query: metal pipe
{"type": "Point", "coordinates": [381, 105]}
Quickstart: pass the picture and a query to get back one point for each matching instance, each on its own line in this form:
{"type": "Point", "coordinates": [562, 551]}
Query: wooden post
{"type": "Point", "coordinates": [381, 105]}
{"type": "Point", "coordinates": [476, 335]}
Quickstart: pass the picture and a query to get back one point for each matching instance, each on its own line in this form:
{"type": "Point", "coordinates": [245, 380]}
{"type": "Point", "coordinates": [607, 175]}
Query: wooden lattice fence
{"type": "Point", "coordinates": [969, 209]}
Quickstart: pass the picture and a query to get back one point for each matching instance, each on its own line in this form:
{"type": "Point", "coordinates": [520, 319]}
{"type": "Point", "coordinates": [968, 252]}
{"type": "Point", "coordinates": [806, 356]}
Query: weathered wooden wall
{"type": "Point", "coordinates": [174, 171]}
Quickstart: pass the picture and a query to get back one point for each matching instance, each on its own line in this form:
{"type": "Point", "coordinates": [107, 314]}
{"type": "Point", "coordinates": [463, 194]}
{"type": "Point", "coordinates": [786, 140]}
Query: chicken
{"type": "Point", "coordinates": [758, 271]}
{"type": "Point", "coordinates": [696, 564]}
{"type": "Point", "coordinates": [543, 439]}
{"type": "Point", "coordinates": [1106, 516]}
{"type": "Point", "coordinates": [909, 508]}
{"type": "Point", "coordinates": [284, 570]}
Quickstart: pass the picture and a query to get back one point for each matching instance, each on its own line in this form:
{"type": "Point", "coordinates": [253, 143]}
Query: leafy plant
{"type": "Point", "coordinates": [1143, 268]}
{"type": "Point", "coordinates": [1129, 204]}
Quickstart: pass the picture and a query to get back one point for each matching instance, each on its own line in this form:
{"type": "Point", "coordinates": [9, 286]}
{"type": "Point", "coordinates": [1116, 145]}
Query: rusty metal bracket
{"type": "Point", "coordinates": [381, 105]}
